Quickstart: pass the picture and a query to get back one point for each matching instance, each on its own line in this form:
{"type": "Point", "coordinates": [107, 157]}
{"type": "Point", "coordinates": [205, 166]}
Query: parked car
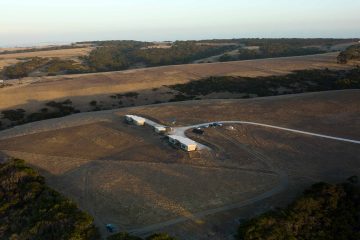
{"type": "Point", "coordinates": [215, 124]}
{"type": "Point", "coordinates": [198, 131]}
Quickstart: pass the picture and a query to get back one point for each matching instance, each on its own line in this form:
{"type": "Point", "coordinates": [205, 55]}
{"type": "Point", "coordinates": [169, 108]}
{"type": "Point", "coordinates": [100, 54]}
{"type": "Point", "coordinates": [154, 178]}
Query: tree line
{"type": "Point", "coordinates": [323, 212]}
{"type": "Point", "coordinates": [271, 50]}
{"type": "Point", "coordinates": [121, 55]}
{"type": "Point", "coordinates": [296, 82]}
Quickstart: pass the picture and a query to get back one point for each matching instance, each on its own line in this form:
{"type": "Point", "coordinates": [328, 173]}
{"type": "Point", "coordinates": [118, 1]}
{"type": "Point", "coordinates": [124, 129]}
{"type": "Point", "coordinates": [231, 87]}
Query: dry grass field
{"type": "Point", "coordinates": [82, 89]}
{"type": "Point", "coordinates": [7, 62]}
{"type": "Point", "coordinates": [3, 49]}
{"type": "Point", "coordinates": [131, 177]}
{"type": "Point", "coordinates": [74, 54]}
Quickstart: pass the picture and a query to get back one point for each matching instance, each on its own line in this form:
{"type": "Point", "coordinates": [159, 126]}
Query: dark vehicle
{"type": "Point", "coordinates": [110, 228]}
{"type": "Point", "coordinates": [215, 124]}
{"type": "Point", "coordinates": [198, 131]}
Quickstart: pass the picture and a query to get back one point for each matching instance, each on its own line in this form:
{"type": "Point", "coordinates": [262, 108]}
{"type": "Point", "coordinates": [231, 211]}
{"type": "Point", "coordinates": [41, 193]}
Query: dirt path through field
{"type": "Point", "coordinates": [181, 130]}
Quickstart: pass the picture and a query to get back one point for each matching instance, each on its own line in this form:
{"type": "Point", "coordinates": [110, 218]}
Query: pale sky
{"type": "Point", "coordinates": [45, 21]}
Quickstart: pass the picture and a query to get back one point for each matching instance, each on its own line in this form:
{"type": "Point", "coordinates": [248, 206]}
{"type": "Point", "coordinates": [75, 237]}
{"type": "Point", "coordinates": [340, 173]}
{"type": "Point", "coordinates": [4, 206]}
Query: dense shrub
{"type": "Point", "coordinates": [59, 66]}
{"type": "Point", "coordinates": [181, 52]}
{"type": "Point", "coordinates": [23, 69]}
{"type": "Point", "coordinates": [31, 210]}
{"type": "Point", "coordinates": [351, 53]}
{"type": "Point", "coordinates": [270, 51]}
{"type": "Point", "coordinates": [119, 55]}
{"type": "Point", "coordinates": [297, 82]}
{"type": "Point", "coordinates": [93, 103]}
{"type": "Point", "coordinates": [14, 115]}
{"type": "Point", "coordinates": [62, 108]}
{"type": "Point", "coordinates": [324, 212]}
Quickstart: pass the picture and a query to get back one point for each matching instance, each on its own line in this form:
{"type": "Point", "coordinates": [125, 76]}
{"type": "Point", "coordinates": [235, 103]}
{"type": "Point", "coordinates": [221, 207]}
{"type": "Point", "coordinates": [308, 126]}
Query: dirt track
{"type": "Point", "coordinates": [181, 130]}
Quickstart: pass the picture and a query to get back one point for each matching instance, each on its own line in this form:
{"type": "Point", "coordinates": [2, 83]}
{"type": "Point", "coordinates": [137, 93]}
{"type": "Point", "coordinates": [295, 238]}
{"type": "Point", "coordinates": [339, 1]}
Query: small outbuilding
{"type": "Point", "coordinates": [139, 121]}
{"type": "Point", "coordinates": [160, 129]}
{"type": "Point", "coordinates": [183, 142]}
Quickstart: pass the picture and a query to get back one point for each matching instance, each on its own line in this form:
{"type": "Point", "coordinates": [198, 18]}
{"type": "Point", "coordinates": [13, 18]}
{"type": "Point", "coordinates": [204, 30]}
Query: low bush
{"type": "Point", "coordinates": [323, 212]}
{"type": "Point", "coordinates": [93, 103]}
{"type": "Point", "coordinates": [23, 69]}
{"type": "Point", "coordinates": [297, 82]}
{"type": "Point", "coordinates": [31, 210]}
{"type": "Point", "coordinates": [351, 53]}
{"type": "Point", "coordinates": [14, 115]}
{"type": "Point", "coordinates": [59, 66]}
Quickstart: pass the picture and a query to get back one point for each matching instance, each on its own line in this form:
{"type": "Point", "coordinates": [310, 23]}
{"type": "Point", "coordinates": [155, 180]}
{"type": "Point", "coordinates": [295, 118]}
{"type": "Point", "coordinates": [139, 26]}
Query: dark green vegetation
{"type": "Point", "coordinates": [31, 210]}
{"type": "Point", "coordinates": [323, 212]}
{"type": "Point", "coordinates": [351, 53]}
{"type": "Point", "coordinates": [23, 69]}
{"type": "Point", "coordinates": [126, 236]}
{"type": "Point", "coordinates": [120, 55]}
{"type": "Point", "coordinates": [298, 42]}
{"type": "Point", "coordinates": [268, 48]}
{"type": "Point", "coordinates": [55, 110]}
{"type": "Point", "coordinates": [58, 66]}
{"type": "Point", "coordinates": [112, 55]}
{"type": "Point", "coordinates": [48, 66]}
{"type": "Point", "coordinates": [297, 82]}
{"type": "Point", "coordinates": [14, 115]}
{"type": "Point", "coordinates": [127, 95]}
{"type": "Point", "coordinates": [270, 51]}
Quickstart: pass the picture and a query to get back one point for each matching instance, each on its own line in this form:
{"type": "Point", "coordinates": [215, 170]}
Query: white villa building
{"type": "Point", "coordinates": [139, 121]}
{"type": "Point", "coordinates": [185, 143]}
{"type": "Point", "coordinates": [160, 129]}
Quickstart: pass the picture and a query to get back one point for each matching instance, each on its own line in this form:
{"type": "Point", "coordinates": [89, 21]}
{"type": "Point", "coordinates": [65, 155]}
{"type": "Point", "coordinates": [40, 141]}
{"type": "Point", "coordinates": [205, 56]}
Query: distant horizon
{"type": "Point", "coordinates": [33, 22]}
{"type": "Point", "coordinates": [59, 43]}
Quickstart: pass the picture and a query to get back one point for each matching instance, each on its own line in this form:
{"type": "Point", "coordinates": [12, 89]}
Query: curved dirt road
{"type": "Point", "coordinates": [181, 130]}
